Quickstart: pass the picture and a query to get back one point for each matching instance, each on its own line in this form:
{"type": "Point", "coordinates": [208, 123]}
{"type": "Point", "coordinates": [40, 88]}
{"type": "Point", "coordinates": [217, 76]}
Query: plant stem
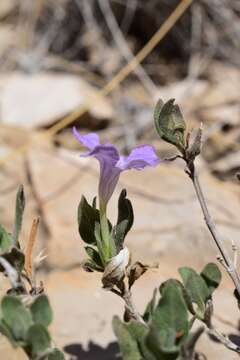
{"type": "Point", "coordinates": [230, 267]}
{"type": "Point", "coordinates": [212, 332]}
{"type": "Point", "coordinates": [130, 306]}
{"type": "Point", "coordinates": [104, 230]}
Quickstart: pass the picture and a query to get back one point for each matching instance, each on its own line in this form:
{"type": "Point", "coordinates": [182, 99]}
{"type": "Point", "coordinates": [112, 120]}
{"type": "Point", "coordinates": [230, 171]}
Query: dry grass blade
{"type": "Point", "coordinates": [30, 246]}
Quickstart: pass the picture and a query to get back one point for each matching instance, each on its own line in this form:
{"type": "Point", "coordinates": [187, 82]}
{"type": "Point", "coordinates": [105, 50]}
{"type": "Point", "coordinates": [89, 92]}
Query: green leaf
{"type": "Point", "coordinates": [56, 354]}
{"type": "Point", "coordinates": [41, 310]}
{"type": "Point", "coordinates": [16, 316]}
{"type": "Point", "coordinates": [5, 240]}
{"type": "Point", "coordinates": [197, 289]}
{"type": "Point", "coordinates": [16, 258]}
{"type": "Point", "coordinates": [124, 221]}
{"type": "Point", "coordinates": [170, 318]}
{"type": "Point", "coordinates": [170, 124]}
{"type": "Point", "coordinates": [87, 217]}
{"type": "Point", "coordinates": [212, 276]}
{"type": "Point", "coordinates": [4, 330]}
{"type": "Point", "coordinates": [20, 205]}
{"type": "Point", "coordinates": [154, 344]}
{"type": "Point", "coordinates": [185, 293]}
{"type": "Point", "coordinates": [138, 332]}
{"type": "Point", "coordinates": [127, 343]}
{"type": "Point", "coordinates": [94, 257]}
{"type": "Point", "coordinates": [38, 340]}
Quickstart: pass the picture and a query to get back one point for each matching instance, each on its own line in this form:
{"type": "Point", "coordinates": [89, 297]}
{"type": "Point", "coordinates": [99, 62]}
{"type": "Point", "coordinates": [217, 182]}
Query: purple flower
{"type": "Point", "coordinates": [112, 163]}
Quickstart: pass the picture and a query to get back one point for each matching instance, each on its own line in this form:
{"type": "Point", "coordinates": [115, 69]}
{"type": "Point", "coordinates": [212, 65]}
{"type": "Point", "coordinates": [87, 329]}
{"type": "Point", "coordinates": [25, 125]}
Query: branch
{"type": "Point", "coordinates": [229, 263]}
{"type": "Point", "coordinates": [212, 332]}
{"type": "Point", "coordinates": [11, 273]}
{"type": "Point", "coordinates": [129, 305]}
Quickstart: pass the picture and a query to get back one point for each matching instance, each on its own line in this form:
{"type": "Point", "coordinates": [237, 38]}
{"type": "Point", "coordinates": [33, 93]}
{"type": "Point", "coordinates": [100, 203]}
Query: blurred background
{"type": "Point", "coordinates": [101, 65]}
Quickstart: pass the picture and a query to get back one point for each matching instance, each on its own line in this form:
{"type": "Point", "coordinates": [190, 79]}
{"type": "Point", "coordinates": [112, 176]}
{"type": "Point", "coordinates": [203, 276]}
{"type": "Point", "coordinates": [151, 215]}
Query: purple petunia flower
{"type": "Point", "coordinates": [112, 163]}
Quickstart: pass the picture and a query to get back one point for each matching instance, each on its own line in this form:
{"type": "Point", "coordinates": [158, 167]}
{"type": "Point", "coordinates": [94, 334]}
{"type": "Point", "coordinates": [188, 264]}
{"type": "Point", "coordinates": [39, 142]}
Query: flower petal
{"type": "Point", "coordinates": [107, 156]}
{"type": "Point", "coordinates": [139, 158]}
{"type": "Point", "coordinates": [90, 140]}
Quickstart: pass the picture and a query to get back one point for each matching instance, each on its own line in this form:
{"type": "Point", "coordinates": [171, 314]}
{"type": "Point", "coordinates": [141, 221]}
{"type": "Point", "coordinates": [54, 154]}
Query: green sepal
{"type": "Point", "coordinates": [212, 276]}
{"type": "Point", "coordinates": [41, 310]}
{"type": "Point", "coordinates": [170, 124]}
{"type": "Point", "coordinates": [197, 289]}
{"type": "Point", "coordinates": [124, 221]}
{"type": "Point", "coordinates": [16, 316]}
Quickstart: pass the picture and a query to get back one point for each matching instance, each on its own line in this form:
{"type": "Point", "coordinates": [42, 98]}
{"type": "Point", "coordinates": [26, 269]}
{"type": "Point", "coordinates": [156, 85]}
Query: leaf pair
{"type": "Point", "coordinates": [167, 335]}
{"type": "Point", "coordinates": [200, 287]}
{"type": "Point", "coordinates": [167, 328]}
{"type": "Point", "coordinates": [27, 326]}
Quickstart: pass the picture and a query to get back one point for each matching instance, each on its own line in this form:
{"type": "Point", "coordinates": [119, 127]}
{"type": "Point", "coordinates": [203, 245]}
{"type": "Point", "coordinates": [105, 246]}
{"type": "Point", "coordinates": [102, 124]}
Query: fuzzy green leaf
{"type": "Point", "coordinates": [16, 317]}
{"type": "Point", "coordinates": [38, 340]}
{"type": "Point", "coordinates": [212, 276]}
{"type": "Point", "coordinates": [170, 318]}
{"type": "Point", "coordinates": [197, 289]}
{"type": "Point", "coordinates": [41, 310]}
{"type": "Point", "coordinates": [138, 332]}
{"type": "Point", "coordinates": [127, 343]}
{"type": "Point", "coordinates": [170, 124]}
{"type": "Point", "coordinates": [185, 293]}
{"type": "Point", "coordinates": [5, 331]}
